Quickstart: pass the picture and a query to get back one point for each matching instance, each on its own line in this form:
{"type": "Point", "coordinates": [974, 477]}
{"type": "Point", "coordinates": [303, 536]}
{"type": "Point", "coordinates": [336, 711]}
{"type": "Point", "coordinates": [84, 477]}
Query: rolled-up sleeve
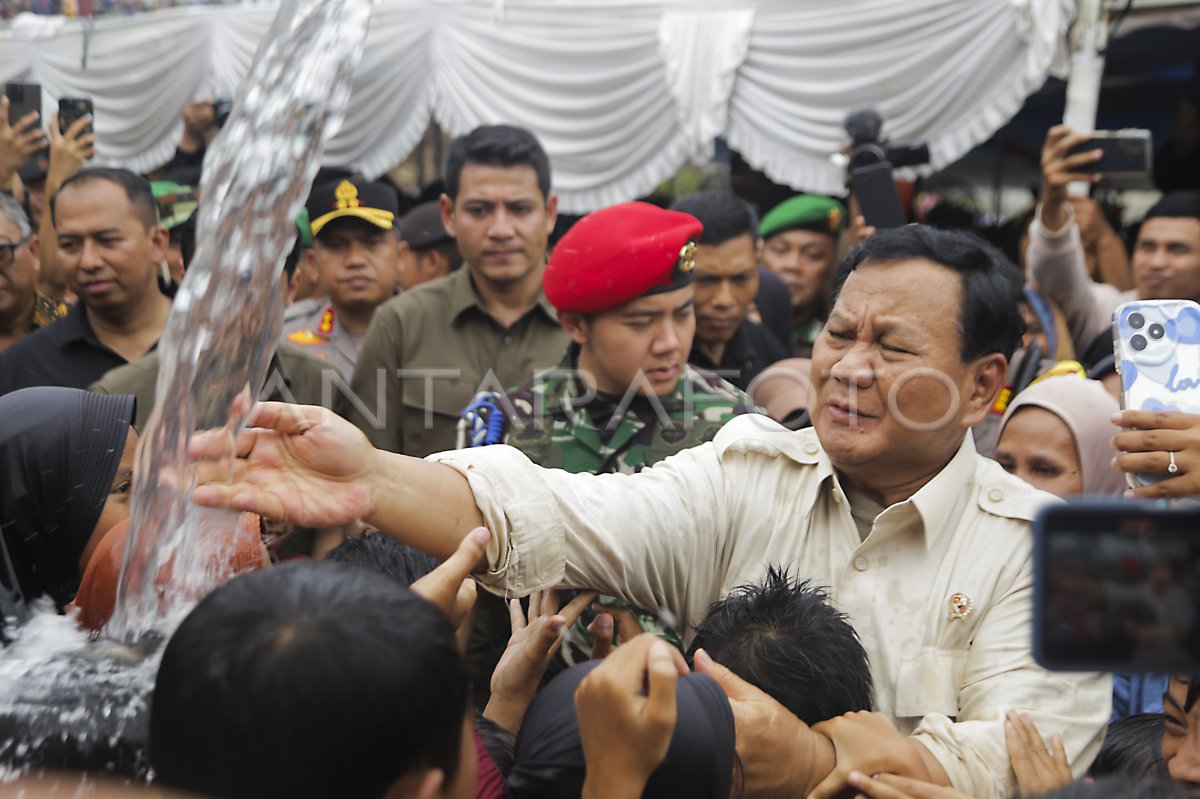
{"type": "Point", "coordinates": [653, 538]}
{"type": "Point", "coordinates": [1001, 675]}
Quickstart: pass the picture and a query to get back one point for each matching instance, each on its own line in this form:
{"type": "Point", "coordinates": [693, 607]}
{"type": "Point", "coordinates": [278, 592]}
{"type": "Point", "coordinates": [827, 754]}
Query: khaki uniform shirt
{"type": "Point", "coordinates": [294, 375]}
{"type": "Point", "coordinates": [324, 336]}
{"type": "Point", "coordinates": [449, 348]}
{"type": "Point", "coordinates": [940, 591]}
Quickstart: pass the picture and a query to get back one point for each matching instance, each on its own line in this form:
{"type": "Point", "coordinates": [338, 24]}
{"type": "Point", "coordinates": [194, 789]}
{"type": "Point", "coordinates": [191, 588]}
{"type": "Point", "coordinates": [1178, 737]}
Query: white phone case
{"type": "Point", "coordinates": [1156, 344]}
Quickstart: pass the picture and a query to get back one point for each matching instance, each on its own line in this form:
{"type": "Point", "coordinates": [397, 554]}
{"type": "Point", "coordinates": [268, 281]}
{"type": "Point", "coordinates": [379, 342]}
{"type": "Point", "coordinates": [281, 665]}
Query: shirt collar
{"type": "Point", "coordinates": [74, 327]}
{"type": "Point", "coordinates": [940, 500]}
{"type": "Point", "coordinates": [464, 297]}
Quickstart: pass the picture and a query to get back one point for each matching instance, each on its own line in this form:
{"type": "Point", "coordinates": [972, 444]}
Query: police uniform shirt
{"type": "Point", "coordinates": [940, 590]}
{"type": "Point", "coordinates": [450, 348]}
{"type": "Point", "coordinates": [322, 334]}
{"type": "Point", "coordinates": [63, 353]}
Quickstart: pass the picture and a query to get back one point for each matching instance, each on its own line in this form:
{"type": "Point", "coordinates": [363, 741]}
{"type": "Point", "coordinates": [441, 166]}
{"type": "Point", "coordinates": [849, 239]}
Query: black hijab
{"type": "Point", "coordinates": [699, 762]}
{"type": "Point", "coordinates": [59, 452]}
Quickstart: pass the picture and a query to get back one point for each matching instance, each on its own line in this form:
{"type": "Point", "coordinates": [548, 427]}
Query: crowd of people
{"type": "Point", "coordinates": [687, 498]}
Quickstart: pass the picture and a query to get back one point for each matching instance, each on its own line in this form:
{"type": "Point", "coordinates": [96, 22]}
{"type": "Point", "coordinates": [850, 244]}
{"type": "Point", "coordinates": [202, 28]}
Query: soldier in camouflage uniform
{"type": "Point", "coordinates": [623, 397]}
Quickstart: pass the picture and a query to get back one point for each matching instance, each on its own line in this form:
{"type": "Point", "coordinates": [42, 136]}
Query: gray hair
{"type": "Point", "coordinates": [12, 209]}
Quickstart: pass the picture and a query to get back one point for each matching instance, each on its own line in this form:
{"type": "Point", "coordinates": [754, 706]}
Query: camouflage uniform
{"type": "Point", "coordinates": [553, 424]}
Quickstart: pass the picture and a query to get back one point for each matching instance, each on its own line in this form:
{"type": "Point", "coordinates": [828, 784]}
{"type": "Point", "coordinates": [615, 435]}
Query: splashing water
{"type": "Point", "coordinates": [227, 314]}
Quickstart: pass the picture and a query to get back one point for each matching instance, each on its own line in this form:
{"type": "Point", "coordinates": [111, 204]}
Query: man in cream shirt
{"type": "Point", "coordinates": [924, 543]}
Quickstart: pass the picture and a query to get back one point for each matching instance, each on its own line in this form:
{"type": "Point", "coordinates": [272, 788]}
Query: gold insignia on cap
{"type": "Point", "coordinates": [960, 606]}
{"type": "Point", "coordinates": [347, 195]}
{"type": "Point", "coordinates": [835, 219]}
{"type": "Point", "coordinates": [687, 257]}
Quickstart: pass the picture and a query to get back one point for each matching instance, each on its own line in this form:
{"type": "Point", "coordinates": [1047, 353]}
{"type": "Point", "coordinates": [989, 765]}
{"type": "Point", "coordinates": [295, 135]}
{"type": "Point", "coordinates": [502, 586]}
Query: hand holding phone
{"type": "Point", "coordinates": [1124, 154]}
{"type": "Point", "coordinates": [71, 109]}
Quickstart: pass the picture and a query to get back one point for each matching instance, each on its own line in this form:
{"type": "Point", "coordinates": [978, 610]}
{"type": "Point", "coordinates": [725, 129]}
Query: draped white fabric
{"type": "Point", "coordinates": [621, 92]}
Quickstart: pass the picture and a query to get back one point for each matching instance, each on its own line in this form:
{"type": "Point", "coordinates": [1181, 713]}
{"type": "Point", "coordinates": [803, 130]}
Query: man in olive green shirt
{"type": "Point", "coordinates": [485, 327]}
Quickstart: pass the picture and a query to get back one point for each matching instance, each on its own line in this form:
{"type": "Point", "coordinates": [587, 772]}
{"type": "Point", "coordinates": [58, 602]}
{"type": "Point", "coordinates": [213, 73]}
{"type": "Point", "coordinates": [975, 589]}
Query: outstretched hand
{"type": "Point", "coordinates": [1038, 770]}
{"type": "Point", "coordinates": [17, 141]}
{"type": "Point", "coordinates": [293, 463]}
{"type": "Point", "coordinates": [868, 742]}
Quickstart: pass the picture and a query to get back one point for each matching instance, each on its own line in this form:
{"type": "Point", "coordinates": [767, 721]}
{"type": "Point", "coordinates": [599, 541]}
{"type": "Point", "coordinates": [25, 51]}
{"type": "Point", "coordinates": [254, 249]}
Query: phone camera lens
{"type": "Point", "coordinates": [1138, 343]}
{"type": "Point", "coordinates": [1156, 331]}
{"type": "Point", "coordinates": [1137, 321]}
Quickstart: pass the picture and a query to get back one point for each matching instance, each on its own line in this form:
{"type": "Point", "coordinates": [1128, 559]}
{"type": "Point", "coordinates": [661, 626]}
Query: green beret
{"type": "Point", "coordinates": [804, 212]}
{"type": "Point", "coordinates": [305, 229]}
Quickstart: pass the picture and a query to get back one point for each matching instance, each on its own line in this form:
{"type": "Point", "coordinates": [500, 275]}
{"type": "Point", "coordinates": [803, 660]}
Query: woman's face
{"type": "Point", "coordinates": [1037, 446]}
{"type": "Point", "coordinates": [117, 505]}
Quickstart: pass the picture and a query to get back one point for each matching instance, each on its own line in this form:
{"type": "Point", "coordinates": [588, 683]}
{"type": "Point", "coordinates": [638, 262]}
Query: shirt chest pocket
{"type": "Point", "coordinates": [930, 681]}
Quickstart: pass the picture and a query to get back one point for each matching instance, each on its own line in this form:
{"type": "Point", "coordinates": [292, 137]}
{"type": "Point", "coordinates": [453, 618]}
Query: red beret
{"type": "Point", "coordinates": [618, 254]}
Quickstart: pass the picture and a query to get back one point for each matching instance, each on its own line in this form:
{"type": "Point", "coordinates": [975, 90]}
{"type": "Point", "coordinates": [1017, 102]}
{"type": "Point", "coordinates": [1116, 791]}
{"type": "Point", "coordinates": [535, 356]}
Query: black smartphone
{"type": "Point", "coordinates": [878, 199]}
{"type": "Point", "coordinates": [71, 109]}
{"type": "Point", "coordinates": [22, 99]}
{"type": "Point", "coordinates": [1126, 153]}
{"type": "Point", "coordinates": [1116, 587]}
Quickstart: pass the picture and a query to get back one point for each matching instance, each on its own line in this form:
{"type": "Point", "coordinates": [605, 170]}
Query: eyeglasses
{"type": "Point", "coordinates": [8, 252]}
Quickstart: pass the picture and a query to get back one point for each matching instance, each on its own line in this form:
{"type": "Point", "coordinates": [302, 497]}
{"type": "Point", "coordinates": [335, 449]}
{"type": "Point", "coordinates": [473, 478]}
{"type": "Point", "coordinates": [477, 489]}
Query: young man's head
{"type": "Point", "coordinates": [498, 204]}
{"type": "Point", "coordinates": [726, 263]}
{"type": "Point", "coordinates": [783, 636]}
{"type": "Point", "coordinates": [621, 279]}
{"type": "Point", "coordinates": [798, 242]}
{"type": "Point", "coordinates": [18, 263]}
{"type": "Point", "coordinates": [427, 251]}
{"type": "Point", "coordinates": [313, 680]}
{"type": "Point", "coordinates": [354, 243]}
{"type": "Point", "coordinates": [177, 213]}
{"type": "Point", "coordinates": [1181, 736]}
{"type": "Point", "coordinates": [110, 244]}
{"type": "Point", "coordinates": [1166, 258]}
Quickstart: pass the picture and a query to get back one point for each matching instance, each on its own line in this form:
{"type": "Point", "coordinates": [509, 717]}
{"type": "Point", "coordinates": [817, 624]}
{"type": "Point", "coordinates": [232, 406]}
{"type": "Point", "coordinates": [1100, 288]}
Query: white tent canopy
{"type": "Point", "coordinates": [621, 92]}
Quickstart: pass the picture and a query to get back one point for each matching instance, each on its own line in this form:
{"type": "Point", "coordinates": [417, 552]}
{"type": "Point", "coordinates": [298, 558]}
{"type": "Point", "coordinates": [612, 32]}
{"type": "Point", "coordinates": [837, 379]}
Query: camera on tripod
{"type": "Point", "coordinates": [872, 162]}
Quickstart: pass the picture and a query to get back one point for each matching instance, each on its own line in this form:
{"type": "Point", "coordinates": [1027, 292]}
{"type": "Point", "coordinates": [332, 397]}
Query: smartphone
{"type": "Point", "coordinates": [1116, 587]}
{"type": "Point", "coordinates": [70, 109]}
{"type": "Point", "coordinates": [875, 189]}
{"type": "Point", "coordinates": [1156, 351]}
{"type": "Point", "coordinates": [1126, 153]}
{"type": "Point", "coordinates": [22, 99]}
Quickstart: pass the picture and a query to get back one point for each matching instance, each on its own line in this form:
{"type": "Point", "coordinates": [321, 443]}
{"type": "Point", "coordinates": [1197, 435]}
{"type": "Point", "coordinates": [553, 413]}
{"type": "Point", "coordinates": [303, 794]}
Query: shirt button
{"type": "Point", "coordinates": [811, 448]}
{"type": "Point", "coordinates": [508, 341]}
{"type": "Point", "coordinates": [995, 495]}
{"type": "Point", "coordinates": [860, 563]}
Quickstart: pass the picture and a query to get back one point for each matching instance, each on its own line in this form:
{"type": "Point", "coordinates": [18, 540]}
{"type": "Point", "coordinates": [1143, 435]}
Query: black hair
{"type": "Point", "coordinates": [308, 679]}
{"type": "Point", "coordinates": [292, 259]}
{"type": "Point", "coordinates": [1118, 788]}
{"type": "Point", "coordinates": [725, 216]}
{"type": "Point", "coordinates": [1132, 748]}
{"type": "Point", "coordinates": [136, 187]}
{"type": "Point", "coordinates": [1193, 693]}
{"type": "Point", "coordinates": [783, 636]}
{"type": "Point", "coordinates": [497, 145]}
{"type": "Point", "coordinates": [989, 320]}
{"type": "Point", "coordinates": [1181, 203]}
{"type": "Point", "coordinates": [381, 553]}
{"type": "Point", "coordinates": [500, 744]}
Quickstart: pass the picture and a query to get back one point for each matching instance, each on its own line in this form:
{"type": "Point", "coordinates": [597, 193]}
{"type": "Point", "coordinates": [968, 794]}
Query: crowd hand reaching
{"type": "Point", "coordinates": [778, 752]}
{"type": "Point", "coordinates": [450, 586]}
{"type": "Point", "coordinates": [859, 231]}
{"type": "Point", "coordinates": [198, 119]}
{"type": "Point", "coordinates": [1059, 170]}
{"type": "Point", "coordinates": [868, 743]}
{"type": "Point", "coordinates": [292, 463]}
{"type": "Point", "coordinates": [17, 142]}
{"type": "Point", "coordinates": [1147, 442]}
{"type": "Point", "coordinates": [533, 643]}
{"type": "Point", "coordinates": [892, 786]}
{"type": "Point", "coordinates": [601, 628]}
{"type": "Point", "coordinates": [68, 151]}
{"type": "Point", "coordinates": [626, 709]}
{"type": "Point", "coordinates": [1038, 770]}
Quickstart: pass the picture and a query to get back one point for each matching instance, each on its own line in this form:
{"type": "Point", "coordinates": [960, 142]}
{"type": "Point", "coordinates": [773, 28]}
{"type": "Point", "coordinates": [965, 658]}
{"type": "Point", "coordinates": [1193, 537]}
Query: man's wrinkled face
{"type": "Point", "coordinates": [1181, 736]}
{"type": "Point", "coordinates": [109, 255]}
{"type": "Point", "coordinates": [358, 264]}
{"type": "Point", "coordinates": [803, 259]}
{"type": "Point", "coordinates": [893, 396]}
{"type": "Point", "coordinates": [18, 279]}
{"type": "Point", "coordinates": [501, 221]}
{"type": "Point", "coordinates": [1166, 259]}
{"type": "Point", "coordinates": [644, 342]}
{"type": "Point", "coordinates": [726, 281]}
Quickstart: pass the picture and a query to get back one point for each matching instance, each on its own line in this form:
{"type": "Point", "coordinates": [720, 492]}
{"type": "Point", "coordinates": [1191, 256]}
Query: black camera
{"type": "Point", "coordinates": [872, 160]}
{"type": "Point", "coordinates": [222, 108]}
